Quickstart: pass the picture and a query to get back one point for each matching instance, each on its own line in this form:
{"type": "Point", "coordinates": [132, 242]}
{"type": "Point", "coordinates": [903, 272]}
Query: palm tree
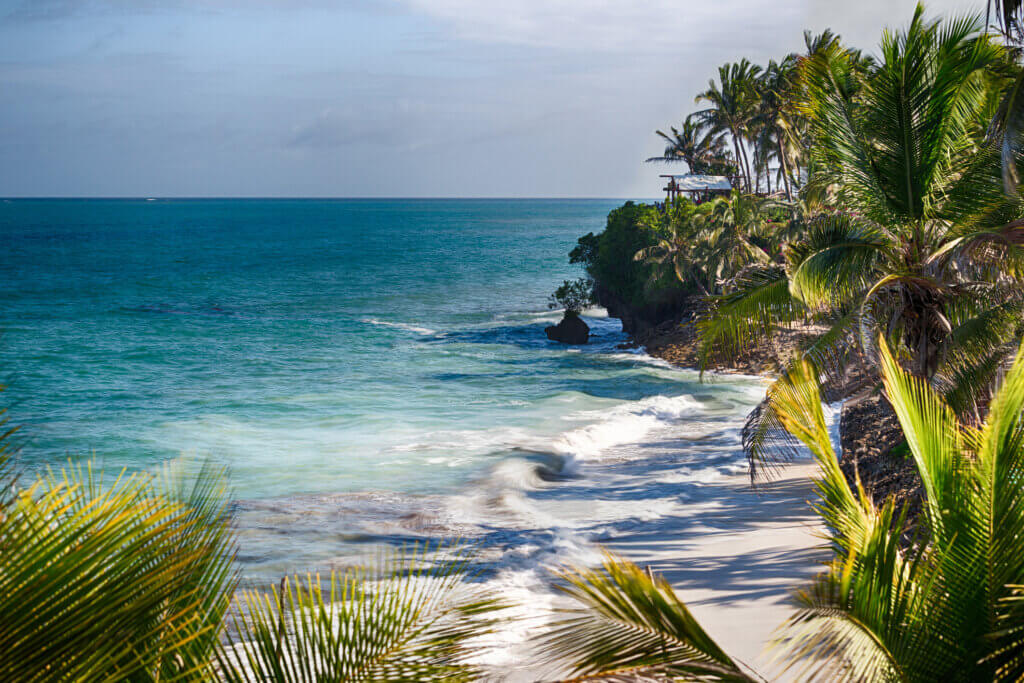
{"type": "Point", "coordinates": [732, 234]}
{"type": "Point", "coordinates": [776, 116]}
{"type": "Point", "coordinates": [732, 101]}
{"type": "Point", "coordinates": [924, 246]}
{"type": "Point", "coordinates": [678, 234]}
{"type": "Point", "coordinates": [1010, 14]}
{"type": "Point", "coordinates": [703, 150]}
{"type": "Point", "coordinates": [948, 608]}
{"type": "Point", "coordinates": [1007, 126]}
{"type": "Point", "coordinates": [710, 243]}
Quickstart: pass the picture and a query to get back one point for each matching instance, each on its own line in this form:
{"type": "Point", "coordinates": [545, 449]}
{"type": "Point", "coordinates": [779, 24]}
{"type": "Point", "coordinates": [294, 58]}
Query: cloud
{"type": "Point", "coordinates": [326, 97]}
{"type": "Point", "coordinates": [603, 25]}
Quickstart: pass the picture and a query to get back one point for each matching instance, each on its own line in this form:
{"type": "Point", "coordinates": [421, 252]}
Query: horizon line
{"type": "Point", "coordinates": [304, 197]}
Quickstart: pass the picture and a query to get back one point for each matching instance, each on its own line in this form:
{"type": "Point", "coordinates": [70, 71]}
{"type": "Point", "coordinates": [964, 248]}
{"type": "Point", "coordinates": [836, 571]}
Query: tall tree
{"type": "Point", "coordinates": [776, 114]}
{"type": "Point", "coordinates": [732, 103]}
{"type": "Point", "coordinates": [700, 147]}
{"type": "Point", "coordinates": [924, 246]}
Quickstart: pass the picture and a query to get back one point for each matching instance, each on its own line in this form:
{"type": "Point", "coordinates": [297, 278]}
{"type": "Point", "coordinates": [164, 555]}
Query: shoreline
{"type": "Point", "coordinates": [870, 430]}
{"type": "Point", "coordinates": [736, 566]}
{"type": "Point", "coordinates": [737, 563]}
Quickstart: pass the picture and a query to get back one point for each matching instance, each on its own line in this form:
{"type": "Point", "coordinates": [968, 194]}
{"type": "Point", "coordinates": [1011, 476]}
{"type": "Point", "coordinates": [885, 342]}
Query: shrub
{"type": "Point", "coordinates": [573, 296]}
{"type": "Point", "coordinates": [608, 256]}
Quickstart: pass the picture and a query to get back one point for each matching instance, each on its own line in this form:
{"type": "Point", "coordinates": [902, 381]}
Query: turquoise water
{"type": "Point", "coordinates": [369, 371]}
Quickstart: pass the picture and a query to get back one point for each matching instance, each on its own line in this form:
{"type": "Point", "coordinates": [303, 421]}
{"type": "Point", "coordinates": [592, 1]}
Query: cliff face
{"type": "Point", "coordinates": [641, 321]}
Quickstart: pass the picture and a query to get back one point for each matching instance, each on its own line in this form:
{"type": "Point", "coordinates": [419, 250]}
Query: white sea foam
{"type": "Point", "coordinates": [398, 325]}
{"type": "Point", "coordinates": [624, 424]}
{"type": "Point", "coordinates": [832, 419]}
{"type": "Point", "coordinates": [527, 521]}
{"type": "Point", "coordinates": [641, 357]}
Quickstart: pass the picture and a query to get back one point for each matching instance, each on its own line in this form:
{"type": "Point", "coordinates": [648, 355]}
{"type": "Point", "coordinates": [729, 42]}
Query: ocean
{"type": "Point", "coordinates": [370, 372]}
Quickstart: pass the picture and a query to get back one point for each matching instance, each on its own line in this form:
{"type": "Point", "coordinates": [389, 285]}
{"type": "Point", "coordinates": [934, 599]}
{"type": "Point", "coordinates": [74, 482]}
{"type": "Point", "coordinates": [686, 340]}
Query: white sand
{"type": "Point", "coordinates": [736, 563]}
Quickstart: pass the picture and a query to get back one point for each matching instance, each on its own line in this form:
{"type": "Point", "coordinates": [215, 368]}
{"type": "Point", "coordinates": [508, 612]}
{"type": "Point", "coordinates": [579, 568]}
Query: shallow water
{"type": "Point", "coordinates": [371, 372]}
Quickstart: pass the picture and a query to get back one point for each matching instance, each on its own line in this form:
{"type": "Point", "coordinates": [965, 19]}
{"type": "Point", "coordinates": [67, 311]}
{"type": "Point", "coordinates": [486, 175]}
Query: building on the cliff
{"type": "Point", "coordinates": [699, 187]}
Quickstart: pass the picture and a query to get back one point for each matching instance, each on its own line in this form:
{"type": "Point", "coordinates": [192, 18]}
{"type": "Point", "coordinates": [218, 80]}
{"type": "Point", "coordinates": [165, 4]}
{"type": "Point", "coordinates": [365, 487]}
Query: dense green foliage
{"type": "Point", "coordinates": [917, 241]}
{"type": "Point", "coordinates": [607, 257]}
{"type": "Point", "coordinates": [891, 215]}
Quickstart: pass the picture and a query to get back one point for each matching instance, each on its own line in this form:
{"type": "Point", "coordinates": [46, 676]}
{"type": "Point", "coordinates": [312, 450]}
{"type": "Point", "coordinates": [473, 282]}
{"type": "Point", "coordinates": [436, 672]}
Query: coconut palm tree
{"type": "Point", "coordinates": [948, 608]}
{"type": "Point", "coordinates": [731, 105]}
{"type": "Point", "coordinates": [1010, 14]}
{"type": "Point", "coordinates": [709, 243]}
{"type": "Point", "coordinates": [702, 149]}
{"type": "Point", "coordinates": [924, 246]}
{"type": "Point", "coordinates": [1007, 127]}
{"type": "Point", "coordinates": [678, 246]}
{"type": "Point", "coordinates": [732, 234]}
{"type": "Point", "coordinates": [776, 116]}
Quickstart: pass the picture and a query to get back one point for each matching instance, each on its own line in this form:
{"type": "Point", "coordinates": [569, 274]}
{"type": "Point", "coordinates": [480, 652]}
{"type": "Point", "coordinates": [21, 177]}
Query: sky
{"type": "Point", "coordinates": [375, 98]}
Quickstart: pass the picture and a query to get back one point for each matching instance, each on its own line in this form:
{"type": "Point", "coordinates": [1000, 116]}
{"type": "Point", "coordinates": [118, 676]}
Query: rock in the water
{"type": "Point", "coordinates": [572, 330]}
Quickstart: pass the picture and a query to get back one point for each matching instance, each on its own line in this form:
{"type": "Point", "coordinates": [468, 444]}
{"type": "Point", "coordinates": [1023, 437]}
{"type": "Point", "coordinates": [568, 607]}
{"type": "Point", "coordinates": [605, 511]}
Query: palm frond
{"type": "Point", "coordinates": [7, 474]}
{"type": "Point", "coordinates": [110, 581]}
{"type": "Point", "coordinates": [837, 260]}
{"type": "Point", "coordinates": [856, 621]}
{"type": "Point", "coordinates": [932, 432]}
{"type": "Point", "coordinates": [757, 301]}
{"type": "Point", "coordinates": [411, 617]}
{"type": "Point", "coordinates": [766, 441]}
{"type": "Point", "coordinates": [630, 624]}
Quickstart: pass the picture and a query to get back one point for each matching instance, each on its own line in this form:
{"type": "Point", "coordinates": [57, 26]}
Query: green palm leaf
{"type": "Point", "coordinates": [111, 581]}
{"type": "Point", "coordinates": [410, 618]}
{"type": "Point", "coordinates": [758, 300]}
{"type": "Point", "coordinates": [629, 625]}
{"type": "Point", "coordinates": [838, 258]}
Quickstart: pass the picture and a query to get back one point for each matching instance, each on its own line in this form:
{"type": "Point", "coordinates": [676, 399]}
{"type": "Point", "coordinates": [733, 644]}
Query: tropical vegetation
{"type": "Point", "coordinates": [573, 296]}
{"type": "Point", "coordinates": [895, 227]}
{"type": "Point", "coordinates": [889, 213]}
{"type": "Point", "coordinates": [947, 608]}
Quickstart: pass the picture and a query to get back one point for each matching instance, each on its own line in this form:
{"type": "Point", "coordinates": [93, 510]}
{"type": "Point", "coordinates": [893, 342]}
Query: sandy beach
{"type": "Point", "coordinates": [736, 563]}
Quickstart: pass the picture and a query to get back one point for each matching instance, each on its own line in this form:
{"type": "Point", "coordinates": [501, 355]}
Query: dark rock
{"type": "Point", "coordinates": [571, 330]}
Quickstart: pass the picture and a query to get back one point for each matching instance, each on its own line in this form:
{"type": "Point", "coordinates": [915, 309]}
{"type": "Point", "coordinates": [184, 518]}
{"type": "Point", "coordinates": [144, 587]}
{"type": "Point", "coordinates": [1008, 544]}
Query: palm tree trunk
{"type": "Point", "coordinates": [746, 162]}
{"type": "Point", "coordinates": [739, 159]}
{"type": "Point", "coordinates": [785, 168]}
{"type": "Point", "coordinates": [696, 280]}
